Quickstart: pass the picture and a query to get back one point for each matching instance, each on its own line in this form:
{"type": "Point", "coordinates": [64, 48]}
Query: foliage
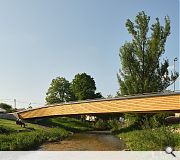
{"type": "Point", "coordinates": [115, 125]}
{"type": "Point", "coordinates": [109, 116]}
{"type": "Point", "coordinates": [13, 137]}
{"type": "Point", "coordinates": [84, 87]}
{"type": "Point", "coordinates": [30, 140]}
{"type": "Point", "coordinates": [109, 96]}
{"type": "Point", "coordinates": [141, 70]}
{"type": "Point", "coordinates": [151, 139]}
{"type": "Point", "coordinates": [7, 107]}
{"type": "Point", "coordinates": [101, 125]}
{"type": "Point", "coordinates": [6, 130]}
{"type": "Point", "coordinates": [146, 121]}
{"type": "Point", "coordinates": [59, 91]}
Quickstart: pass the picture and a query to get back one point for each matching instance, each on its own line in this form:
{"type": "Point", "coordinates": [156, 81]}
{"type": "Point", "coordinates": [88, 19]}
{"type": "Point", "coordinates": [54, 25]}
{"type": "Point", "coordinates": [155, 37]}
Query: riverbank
{"type": "Point", "coordinates": [15, 138]}
{"type": "Point", "coordinates": [60, 131]}
{"type": "Point", "coordinates": [86, 141]}
{"type": "Point", "coordinates": [151, 139]}
{"type": "Point", "coordinates": [69, 124]}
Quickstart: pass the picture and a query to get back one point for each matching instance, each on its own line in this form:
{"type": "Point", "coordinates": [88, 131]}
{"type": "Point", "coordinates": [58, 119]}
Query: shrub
{"type": "Point", "coordinates": [30, 140]}
{"type": "Point", "coordinates": [102, 125]}
{"type": "Point", "coordinates": [115, 125]}
{"type": "Point", "coordinates": [151, 139]}
{"type": "Point", "coordinates": [6, 130]}
{"type": "Point", "coordinates": [146, 121]}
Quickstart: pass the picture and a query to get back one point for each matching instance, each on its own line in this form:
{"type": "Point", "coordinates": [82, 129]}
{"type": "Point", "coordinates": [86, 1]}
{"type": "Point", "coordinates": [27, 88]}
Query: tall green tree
{"type": "Point", "coordinates": [84, 87]}
{"type": "Point", "coordinates": [59, 91]}
{"type": "Point", "coordinates": [142, 70]}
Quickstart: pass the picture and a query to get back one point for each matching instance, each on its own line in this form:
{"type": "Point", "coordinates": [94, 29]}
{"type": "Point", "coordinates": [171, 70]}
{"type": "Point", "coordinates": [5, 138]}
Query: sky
{"type": "Point", "coordinates": [43, 39]}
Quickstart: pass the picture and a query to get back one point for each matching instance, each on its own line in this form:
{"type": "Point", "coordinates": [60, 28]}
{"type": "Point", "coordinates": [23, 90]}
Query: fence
{"type": "Point", "coordinates": [9, 116]}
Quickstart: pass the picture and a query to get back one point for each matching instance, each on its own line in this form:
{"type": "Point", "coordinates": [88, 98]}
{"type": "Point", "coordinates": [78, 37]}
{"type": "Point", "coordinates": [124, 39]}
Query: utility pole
{"type": "Point", "coordinates": [14, 103]}
{"type": "Point", "coordinates": [175, 59]}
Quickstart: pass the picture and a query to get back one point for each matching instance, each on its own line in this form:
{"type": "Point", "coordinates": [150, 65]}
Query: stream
{"type": "Point", "coordinates": [87, 141]}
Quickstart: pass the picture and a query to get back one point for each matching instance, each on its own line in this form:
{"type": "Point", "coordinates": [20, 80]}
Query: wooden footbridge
{"type": "Point", "coordinates": [146, 103]}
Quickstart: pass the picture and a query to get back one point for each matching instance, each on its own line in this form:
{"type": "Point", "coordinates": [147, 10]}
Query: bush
{"type": "Point", "coordinates": [115, 125]}
{"type": "Point", "coordinates": [102, 125]}
{"type": "Point", "coordinates": [6, 130]}
{"type": "Point", "coordinates": [30, 140]}
{"type": "Point", "coordinates": [151, 139]}
{"type": "Point", "coordinates": [146, 121]}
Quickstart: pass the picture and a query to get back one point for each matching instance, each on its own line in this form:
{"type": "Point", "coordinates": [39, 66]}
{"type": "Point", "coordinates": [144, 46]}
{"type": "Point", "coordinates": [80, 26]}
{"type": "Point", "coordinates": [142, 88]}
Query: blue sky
{"type": "Point", "coordinates": [43, 39]}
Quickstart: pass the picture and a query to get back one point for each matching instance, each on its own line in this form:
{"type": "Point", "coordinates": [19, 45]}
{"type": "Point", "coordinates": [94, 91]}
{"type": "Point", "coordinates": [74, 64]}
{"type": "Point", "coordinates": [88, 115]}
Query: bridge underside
{"type": "Point", "coordinates": [151, 103]}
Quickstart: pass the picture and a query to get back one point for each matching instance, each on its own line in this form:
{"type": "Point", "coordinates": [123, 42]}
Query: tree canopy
{"type": "Point", "coordinates": [142, 70]}
{"type": "Point", "coordinates": [59, 91]}
{"type": "Point", "coordinates": [84, 87]}
{"type": "Point", "coordinates": [6, 107]}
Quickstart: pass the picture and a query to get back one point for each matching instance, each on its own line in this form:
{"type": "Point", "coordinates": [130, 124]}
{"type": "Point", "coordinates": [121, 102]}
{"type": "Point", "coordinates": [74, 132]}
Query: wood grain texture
{"type": "Point", "coordinates": [149, 103]}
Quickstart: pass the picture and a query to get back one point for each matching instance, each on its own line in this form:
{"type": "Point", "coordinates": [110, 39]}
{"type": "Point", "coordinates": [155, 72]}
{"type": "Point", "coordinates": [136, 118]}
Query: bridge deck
{"type": "Point", "coordinates": [143, 103]}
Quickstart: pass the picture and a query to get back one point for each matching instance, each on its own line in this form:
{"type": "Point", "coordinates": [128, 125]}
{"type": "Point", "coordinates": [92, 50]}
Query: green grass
{"type": "Point", "coordinates": [12, 125]}
{"type": "Point", "coordinates": [69, 124]}
{"type": "Point", "coordinates": [151, 139]}
{"type": "Point", "coordinates": [30, 140]}
{"type": "Point", "coordinates": [15, 138]}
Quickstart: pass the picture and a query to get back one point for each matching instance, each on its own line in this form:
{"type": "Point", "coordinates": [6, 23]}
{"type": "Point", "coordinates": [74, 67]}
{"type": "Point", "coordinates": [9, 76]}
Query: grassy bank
{"type": "Point", "coordinates": [30, 140]}
{"type": "Point", "coordinates": [69, 124]}
{"type": "Point", "coordinates": [151, 139]}
{"type": "Point", "coordinates": [13, 137]}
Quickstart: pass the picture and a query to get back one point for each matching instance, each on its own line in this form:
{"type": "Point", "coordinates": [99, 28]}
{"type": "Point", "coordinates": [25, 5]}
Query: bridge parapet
{"type": "Point", "coordinates": [138, 103]}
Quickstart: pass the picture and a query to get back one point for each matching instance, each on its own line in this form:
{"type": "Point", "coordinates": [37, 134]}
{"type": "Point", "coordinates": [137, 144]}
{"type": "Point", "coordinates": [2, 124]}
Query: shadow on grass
{"type": "Point", "coordinates": [69, 124]}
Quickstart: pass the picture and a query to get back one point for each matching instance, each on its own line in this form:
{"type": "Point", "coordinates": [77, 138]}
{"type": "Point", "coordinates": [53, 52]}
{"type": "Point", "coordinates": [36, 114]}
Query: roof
{"type": "Point", "coordinates": [2, 110]}
{"type": "Point", "coordinates": [20, 109]}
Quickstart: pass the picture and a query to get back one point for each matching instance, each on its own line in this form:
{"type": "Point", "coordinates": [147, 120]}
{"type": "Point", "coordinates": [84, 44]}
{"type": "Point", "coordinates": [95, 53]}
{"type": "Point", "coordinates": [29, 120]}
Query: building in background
{"type": "Point", "coordinates": [2, 110]}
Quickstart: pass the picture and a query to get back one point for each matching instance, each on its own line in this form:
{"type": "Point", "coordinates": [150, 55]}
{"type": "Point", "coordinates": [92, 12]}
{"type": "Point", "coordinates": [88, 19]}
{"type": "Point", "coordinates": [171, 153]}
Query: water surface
{"type": "Point", "coordinates": [88, 141]}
